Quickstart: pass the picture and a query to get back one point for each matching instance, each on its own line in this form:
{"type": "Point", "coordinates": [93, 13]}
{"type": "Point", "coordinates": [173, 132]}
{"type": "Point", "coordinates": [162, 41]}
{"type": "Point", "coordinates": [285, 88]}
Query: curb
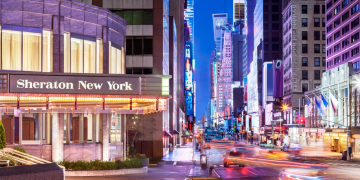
{"type": "Point", "coordinates": [107, 172]}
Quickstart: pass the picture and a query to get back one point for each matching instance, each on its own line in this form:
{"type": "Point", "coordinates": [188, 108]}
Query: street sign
{"type": "Point", "coordinates": [347, 130]}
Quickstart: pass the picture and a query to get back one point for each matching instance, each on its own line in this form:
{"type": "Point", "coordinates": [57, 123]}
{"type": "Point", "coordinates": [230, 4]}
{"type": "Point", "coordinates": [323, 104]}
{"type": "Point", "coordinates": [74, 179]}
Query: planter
{"type": "Point", "coordinates": [145, 161]}
{"type": "Point", "coordinates": [106, 172]}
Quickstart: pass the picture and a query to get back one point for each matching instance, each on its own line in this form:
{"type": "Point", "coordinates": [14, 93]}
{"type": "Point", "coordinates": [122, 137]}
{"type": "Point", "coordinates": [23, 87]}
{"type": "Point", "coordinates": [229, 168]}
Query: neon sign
{"type": "Point", "coordinates": [189, 79]}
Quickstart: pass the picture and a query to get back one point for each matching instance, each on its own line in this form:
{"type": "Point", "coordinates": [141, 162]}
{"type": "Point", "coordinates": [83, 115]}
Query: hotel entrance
{"type": "Point", "coordinates": [79, 123]}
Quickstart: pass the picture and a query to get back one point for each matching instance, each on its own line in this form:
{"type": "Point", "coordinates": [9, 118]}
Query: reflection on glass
{"type": "Point", "coordinates": [11, 50]}
{"type": "Point", "coordinates": [89, 57]}
{"type": "Point", "coordinates": [76, 55]}
{"type": "Point", "coordinates": [31, 51]}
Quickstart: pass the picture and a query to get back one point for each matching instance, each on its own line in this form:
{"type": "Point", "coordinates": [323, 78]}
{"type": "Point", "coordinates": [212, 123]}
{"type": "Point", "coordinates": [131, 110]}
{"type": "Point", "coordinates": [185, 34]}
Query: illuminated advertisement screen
{"type": "Point", "coordinates": [189, 97]}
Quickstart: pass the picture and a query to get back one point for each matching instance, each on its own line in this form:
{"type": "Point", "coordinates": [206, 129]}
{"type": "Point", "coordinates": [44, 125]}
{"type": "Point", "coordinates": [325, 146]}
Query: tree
{"type": "Point", "coordinates": [2, 136]}
{"type": "Point", "coordinates": [139, 127]}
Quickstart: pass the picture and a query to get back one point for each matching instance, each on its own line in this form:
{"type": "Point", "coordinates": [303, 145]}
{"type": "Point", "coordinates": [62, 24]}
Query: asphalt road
{"type": "Point", "coordinates": [256, 167]}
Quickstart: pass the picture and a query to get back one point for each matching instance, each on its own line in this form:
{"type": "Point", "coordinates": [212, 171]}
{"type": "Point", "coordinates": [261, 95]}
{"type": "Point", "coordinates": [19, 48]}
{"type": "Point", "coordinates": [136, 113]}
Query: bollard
{"type": "Point", "coordinates": [210, 170]}
{"type": "Point", "coordinates": [203, 161]}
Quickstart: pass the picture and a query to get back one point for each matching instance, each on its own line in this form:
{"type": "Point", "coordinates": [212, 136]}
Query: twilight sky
{"type": "Point", "coordinates": [204, 44]}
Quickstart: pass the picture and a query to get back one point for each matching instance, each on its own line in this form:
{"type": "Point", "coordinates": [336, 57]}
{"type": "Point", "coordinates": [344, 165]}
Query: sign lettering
{"type": "Point", "coordinates": [73, 84]}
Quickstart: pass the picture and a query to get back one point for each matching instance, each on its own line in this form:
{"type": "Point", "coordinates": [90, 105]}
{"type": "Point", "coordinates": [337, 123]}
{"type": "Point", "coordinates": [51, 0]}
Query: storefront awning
{"type": "Point", "coordinates": [176, 132]}
{"type": "Point", "coordinates": [167, 134]}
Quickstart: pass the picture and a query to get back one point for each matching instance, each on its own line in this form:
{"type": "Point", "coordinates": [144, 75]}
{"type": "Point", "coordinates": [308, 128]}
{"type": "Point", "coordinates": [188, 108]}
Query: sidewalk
{"type": "Point", "coordinates": [183, 153]}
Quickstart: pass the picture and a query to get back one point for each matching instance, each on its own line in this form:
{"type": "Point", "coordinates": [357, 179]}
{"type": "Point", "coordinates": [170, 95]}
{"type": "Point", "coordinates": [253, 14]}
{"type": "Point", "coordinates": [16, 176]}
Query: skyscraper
{"type": "Point", "coordinates": [238, 10]}
{"type": "Point", "coordinates": [303, 51]}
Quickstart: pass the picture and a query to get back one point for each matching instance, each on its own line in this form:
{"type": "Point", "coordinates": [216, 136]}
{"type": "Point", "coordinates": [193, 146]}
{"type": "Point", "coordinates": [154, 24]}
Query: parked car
{"type": "Point", "coordinates": [234, 158]}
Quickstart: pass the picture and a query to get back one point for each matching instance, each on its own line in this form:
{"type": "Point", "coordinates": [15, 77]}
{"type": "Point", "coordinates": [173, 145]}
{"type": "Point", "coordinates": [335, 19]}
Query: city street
{"type": "Point", "coordinates": [178, 165]}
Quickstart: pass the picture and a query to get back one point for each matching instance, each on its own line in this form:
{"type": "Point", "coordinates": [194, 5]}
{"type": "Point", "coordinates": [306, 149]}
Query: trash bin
{"type": "Point", "coordinates": [203, 161]}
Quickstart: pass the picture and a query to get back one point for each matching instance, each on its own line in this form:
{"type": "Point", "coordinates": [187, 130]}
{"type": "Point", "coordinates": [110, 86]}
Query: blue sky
{"type": "Point", "coordinates": [204, 44]}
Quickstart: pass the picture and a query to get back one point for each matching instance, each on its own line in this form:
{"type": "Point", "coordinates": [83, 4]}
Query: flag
{"type": "Point", "coordinates": [318, 105]}
{"type": "Point", "coordinates": [334, 102]}
{"type": "Point", "coordinates": [310, 106]}
{"type": "Point", "coordinates": [325, 103]}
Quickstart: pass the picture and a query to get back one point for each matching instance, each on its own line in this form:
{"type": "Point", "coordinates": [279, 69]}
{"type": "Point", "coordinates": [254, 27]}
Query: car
{"type": "Point", "coordinates": [285, 147]}
{"type": "Point", "coordinates": [206, 146]}
{"type": "Point", "coordinates": [234, 158]}
{"type": "Point", "coordinates": [276, 155]}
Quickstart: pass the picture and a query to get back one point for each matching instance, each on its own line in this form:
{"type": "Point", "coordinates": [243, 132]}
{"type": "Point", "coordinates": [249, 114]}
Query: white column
{"type": "Point", "coordinates": [48, 128]}
{"type": "Point", "coordinates": [61, 136]}
{"type": "Point", "coordinates": [41, 128]}
{"type": "Point", "coordinates": [105, 136]}
{"type": "Point", "coordinates": [55, 146]}
{"type": "Point", "coordinates": [81, 128]}
{"type": "Point", "coordinates": [123, 131]}
{"type": "Point", "coordinates": [20, 127]}
{"type": "Point", "coordinates": [94, 132]}
{"type": "Point", "coordinates": [67, 128]}
{"type": "Point", "coordinates": [331, 110]}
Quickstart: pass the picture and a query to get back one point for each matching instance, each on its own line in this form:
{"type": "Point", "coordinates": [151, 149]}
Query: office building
{"type": "Point", "coordinates": [304, 52]}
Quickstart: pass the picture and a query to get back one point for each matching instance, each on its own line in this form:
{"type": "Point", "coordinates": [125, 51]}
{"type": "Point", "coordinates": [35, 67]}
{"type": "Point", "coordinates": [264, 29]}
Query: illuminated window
{"type": "Point", "coordinates": [82, 54]}
{"type": "Point", "coordinates": [26, 49]}
{"type": "Point", "coordinates": [117, 60]}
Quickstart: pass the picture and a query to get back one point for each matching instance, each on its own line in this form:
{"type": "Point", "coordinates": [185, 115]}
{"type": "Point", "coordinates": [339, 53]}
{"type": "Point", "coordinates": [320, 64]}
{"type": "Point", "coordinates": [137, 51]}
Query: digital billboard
{"type": "Point", "coordinates": [189, 96]}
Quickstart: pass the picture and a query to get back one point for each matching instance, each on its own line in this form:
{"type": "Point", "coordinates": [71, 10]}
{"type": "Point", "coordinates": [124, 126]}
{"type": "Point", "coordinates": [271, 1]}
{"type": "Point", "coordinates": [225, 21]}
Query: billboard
{"type": "Point", "coordinates": [189, 91]}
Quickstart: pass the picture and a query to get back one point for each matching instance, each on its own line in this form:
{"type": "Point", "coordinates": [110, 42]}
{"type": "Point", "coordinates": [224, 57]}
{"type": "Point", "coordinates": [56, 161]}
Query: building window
{"type": "Point", "coordinates": [323, 9]}
{"type": "Point", "coordinates": [317, 74]}
{"type": "Point", "coordinates": [323, 61]}
{"type": "Point", "coordinates": [337, 47]}
{"type": "Point", "coordinates": [323, 48]}
{"type": "Point", "coordinates": [336, 35]}
{"type": "Point", "coordinates": [345, 42]}
{"type": "Point", "coordinates": [354, 23]}
{"type": "Point", "coordinates": [354, 37]}
{"type": "Point", "coordinates": [329, 16]}
{"type": "Point", "coordinates": [275, 17]}
{"type": "Point", "coordinates": [355, 51]}
{"type": "Point", "coordinates": [355, 9]}
{"type": "Point", "coordinates": [117, 59]}
{"type": "Point", "coordinates": [336, 60]}
{"type": "Point", "coordinates": [304, 61]}
{"type": "Point", "coordinates": [316, 61]}
{"type": "Point", "coordinates": [336, 22]}
{"type": "Point", "coordinates": [84, 55]}
{"type": "Point", "coordinates": [316, 48]}
{"type": "Point", "coordinates": [136, 17]}
{"type": "Point", "coordinates": [317, 22]}
{"type": "Point", "coordinates": [304, 48]}
{"type": "Point", "coordinates": [275, 26]}
{"type": "Point", "coordinates": [329, 52]}
{"type": "Point", "coordinates": [304, 87]}
{"type": "Point", "coordinates": [304, 74]}
{"type": "Point", "coordinates": [328, 5]}
{"type": "Point", "coordinates": [345, 56]}
{"type": "Point", "coordinates": [316, 9]}
{"type": "Point", "coordinates": [345, 16]}
{"type": "Point", "coordinates": [26, 51]}
{"type": "Point", "coordinates": [345, 3]}
{"type": "Point", "coordinates": [303, 22]}
{"type": "Point", "coordinates": [356, 65]}
{"type": "Point", "coordinates": [304, 35]}
{"type": "Point", "coordinates": [337, 9]}
{"type": "Point", "coordinates": [323, 35]}
{"type": "Point", "coordinates": [316, 35]}
{"type": "Point", "coordinates": [303, 9]}
{"type": "Point", "coordinates": [323, 22]}
{"type": "Point", "coordinates": [345, 29]}
{"type": "Point", "coordinates": [139, 45]}
{"type": "Point", "coordinates": [329, 28]}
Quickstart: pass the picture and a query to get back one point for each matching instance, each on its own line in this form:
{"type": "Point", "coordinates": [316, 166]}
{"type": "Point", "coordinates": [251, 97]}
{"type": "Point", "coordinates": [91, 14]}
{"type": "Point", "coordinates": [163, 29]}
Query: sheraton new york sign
{"type": "Point", "coordinates": [73, 84]}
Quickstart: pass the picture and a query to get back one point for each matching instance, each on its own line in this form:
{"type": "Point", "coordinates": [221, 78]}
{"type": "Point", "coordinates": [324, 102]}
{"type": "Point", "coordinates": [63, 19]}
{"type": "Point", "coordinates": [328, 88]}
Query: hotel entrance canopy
{"type": "Point", "coordinates": [79, 93]}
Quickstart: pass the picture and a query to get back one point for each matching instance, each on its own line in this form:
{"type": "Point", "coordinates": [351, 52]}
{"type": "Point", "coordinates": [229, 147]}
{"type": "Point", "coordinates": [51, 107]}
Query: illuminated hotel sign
{"type": "Point", "coordinates": [73, 84]}
{"type": "Point", "coordinates": [189, 79]}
